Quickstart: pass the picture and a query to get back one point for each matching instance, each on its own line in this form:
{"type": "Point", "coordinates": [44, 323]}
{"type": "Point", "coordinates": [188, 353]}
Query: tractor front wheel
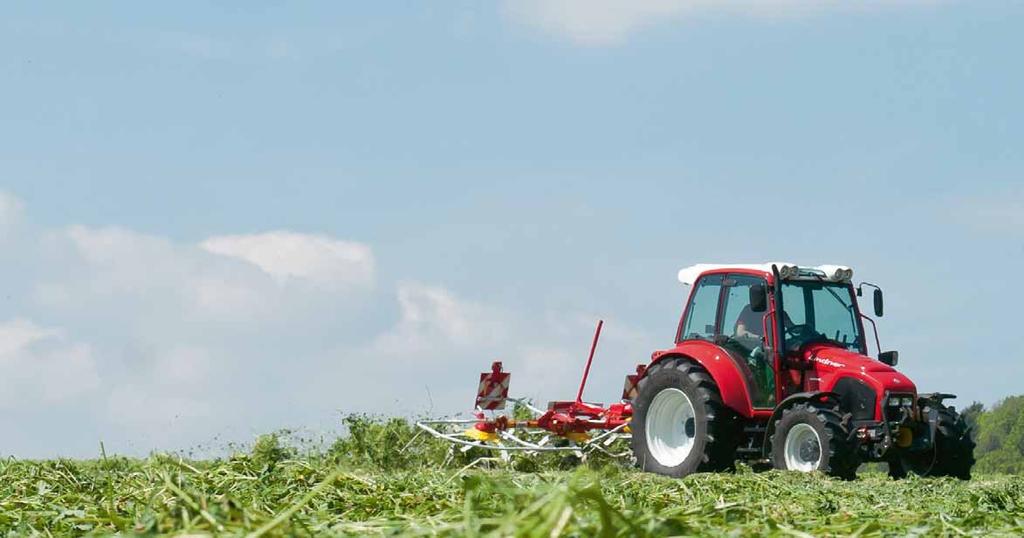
{"type": "Point", "coordinates": [812, 436]}
{"type": "Point", "coordinates": [680, 425]}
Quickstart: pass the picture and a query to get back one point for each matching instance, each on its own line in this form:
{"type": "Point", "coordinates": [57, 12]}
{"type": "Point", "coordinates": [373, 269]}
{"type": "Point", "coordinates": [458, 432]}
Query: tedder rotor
{"type": "Point", "coordinates": [573, 426]}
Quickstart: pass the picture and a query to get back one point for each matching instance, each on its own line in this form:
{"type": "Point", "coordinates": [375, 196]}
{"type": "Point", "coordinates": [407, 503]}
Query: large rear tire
{"type": "Point", "coordinates": [814, 436]}
{"type": "Point", "coordinates": [952, 453]}
{"type": "Point", "coordinates": [680, 425]}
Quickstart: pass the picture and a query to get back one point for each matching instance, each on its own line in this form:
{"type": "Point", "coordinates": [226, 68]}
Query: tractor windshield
{"type": "Point", "coordinates": [819, 311]}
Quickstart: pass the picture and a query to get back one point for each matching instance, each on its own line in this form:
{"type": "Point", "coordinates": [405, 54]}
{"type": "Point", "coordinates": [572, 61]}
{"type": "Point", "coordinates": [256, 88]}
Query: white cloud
{"type": "Point", "coordinates": [288, 256]}
{"type": "Point", "coordinates": [608, 22]}
{"type": "Point", "coordinates": [216, 296]}
{"type": "Point", "coordinates": [41, 367]}
{"type": "Point", "coordinates": [434, 310]}
{"type": "Point", "coordinates": [240, 279]}
{"type": "Point", "coordinates": [123, 252]}
{"type": "Point", "coordinates": [143, 277]}
{"type": "Point", "coordinates": [199, 338]}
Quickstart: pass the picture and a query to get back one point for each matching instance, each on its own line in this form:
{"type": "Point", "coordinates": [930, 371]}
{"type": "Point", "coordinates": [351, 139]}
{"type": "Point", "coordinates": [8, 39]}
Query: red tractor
{"type": "Point", "coordinates": [771, 363]}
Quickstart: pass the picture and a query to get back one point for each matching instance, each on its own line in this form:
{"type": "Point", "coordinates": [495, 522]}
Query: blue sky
{"type": "Point", "coordinates": [218, 219]}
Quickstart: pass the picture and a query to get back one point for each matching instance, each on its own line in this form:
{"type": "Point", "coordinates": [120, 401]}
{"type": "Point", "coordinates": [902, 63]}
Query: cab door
{"type": "Point", "coordinates": [741, 333]}
{"type": "Point", "coordinates": [718, 304]}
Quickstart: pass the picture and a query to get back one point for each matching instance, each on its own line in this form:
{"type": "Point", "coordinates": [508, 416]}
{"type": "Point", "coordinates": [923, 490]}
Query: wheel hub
{"type": "Point", "coordinates": [803, 448]}
{"type": "Point", "coordinates": [670, 427]}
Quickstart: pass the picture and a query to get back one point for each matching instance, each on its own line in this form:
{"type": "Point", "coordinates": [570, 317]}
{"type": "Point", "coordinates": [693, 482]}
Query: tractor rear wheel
{"type": "Point", "coordinates": [952, 454]}
{"type": "Point", "coordinates": [813, 436]}
{"type": "Point", "coordinates": [680, 425]}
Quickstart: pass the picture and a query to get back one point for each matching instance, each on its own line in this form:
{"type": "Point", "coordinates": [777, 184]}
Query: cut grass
{"type": "Point", "coordinates": [272, 490]}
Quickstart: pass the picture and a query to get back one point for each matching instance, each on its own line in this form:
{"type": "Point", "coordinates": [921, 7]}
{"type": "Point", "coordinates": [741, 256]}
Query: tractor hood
{"type": "Point", "coordinates": [831, 361]}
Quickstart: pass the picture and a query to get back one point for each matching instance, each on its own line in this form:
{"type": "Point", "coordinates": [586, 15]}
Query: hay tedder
{"type": "Point", "coordinates": [571, 426]}
{"type": "Point", "coordinates": [770, 364]}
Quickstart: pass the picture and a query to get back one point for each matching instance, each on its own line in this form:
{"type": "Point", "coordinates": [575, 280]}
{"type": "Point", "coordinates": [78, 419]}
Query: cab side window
{"type": "Point", "coordinates": [702, 311]}
{"type": "Point", "coordinates": [795, 305]}
{"type": "Point", "coordinates": [738, 311]}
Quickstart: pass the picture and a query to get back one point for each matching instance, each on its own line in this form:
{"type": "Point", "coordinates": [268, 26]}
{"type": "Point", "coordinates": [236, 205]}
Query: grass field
{"type": "Point", "coordinates": [366, 484]}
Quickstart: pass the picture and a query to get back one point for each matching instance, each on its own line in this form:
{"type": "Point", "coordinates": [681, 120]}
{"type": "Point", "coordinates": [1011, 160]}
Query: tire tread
{"type": "Point", "coordinates": [722, 435]}
{"type": "Point", "coordinates": [844, 458]}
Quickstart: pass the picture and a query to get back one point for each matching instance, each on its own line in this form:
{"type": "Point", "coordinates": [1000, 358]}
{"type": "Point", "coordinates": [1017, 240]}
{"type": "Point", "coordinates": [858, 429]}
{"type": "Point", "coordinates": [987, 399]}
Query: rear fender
{"type": "Point", "coordinates": [722, 369]}
{"type": "Point", "coordinates": [790, 401]}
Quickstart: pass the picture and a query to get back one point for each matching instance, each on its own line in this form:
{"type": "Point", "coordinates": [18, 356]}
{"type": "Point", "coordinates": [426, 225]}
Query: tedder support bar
{"type": "Point", "coordinates": [590, 359]}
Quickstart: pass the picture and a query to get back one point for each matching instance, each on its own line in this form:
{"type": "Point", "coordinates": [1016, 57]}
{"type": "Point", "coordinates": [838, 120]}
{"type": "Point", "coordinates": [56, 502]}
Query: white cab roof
{"type": "Point", "coordinates": [688, 275]}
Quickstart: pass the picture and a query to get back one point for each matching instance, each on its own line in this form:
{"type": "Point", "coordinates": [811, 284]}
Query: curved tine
{"type": "Point", "coordinates": [591, 446]}
{"type": "Point", "coordinates": [505, 455]}
{"type": "Point", "coordinates": [534, 447]}
{"type": "Point", "coordinates": [476, 444]}
{"type": "Point", "coordinates": [614, 430]}
{"type": "Point", "coordinates": [617, 437]}
{"type": "Point", "coordinates": [451, 437]}
{"type": "Point", "coordinates": [526, 404]}
{"type": "Point", "coordinates": [441, 421]}
{"type": "Point", "coordinates": [610, 454]}
{"type": "Point", "coordinates": [508, 436]}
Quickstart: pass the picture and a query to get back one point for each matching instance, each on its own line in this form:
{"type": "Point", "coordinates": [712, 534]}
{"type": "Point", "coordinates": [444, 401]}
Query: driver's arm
{"type": "Point", "coordinates": [741, 330]}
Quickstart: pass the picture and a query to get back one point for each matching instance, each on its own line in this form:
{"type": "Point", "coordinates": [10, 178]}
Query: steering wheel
{"type": "Point", "coordinates": [800, 332]}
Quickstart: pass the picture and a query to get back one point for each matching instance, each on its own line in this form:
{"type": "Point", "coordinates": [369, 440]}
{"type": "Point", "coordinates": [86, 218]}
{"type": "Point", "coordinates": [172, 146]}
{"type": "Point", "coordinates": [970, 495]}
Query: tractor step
{"type": "Point", "coordinates": [754, 439]}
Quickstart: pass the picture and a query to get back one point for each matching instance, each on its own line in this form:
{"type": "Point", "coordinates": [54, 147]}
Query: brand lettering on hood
{"type": "Point", "coordinates": [828, 362]}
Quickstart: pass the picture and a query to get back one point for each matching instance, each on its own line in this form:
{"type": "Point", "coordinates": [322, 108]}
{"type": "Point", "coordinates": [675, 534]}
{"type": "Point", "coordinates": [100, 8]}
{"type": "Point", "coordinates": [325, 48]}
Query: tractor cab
{"type": "Point", "coordinates": [776, 323]}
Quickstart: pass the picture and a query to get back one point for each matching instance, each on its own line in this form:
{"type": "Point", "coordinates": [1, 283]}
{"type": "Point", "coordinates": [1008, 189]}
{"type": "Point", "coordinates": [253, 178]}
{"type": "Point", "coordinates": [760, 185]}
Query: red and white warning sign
{"type": "Point", "coordinates": [493, 390]}
{"type": "Point", "coordinates": [629, 388]}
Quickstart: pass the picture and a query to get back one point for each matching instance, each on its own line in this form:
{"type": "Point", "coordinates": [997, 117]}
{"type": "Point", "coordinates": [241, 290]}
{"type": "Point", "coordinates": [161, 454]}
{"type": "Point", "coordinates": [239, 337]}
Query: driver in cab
{"type": "Point", "coordinates": [749, 324]}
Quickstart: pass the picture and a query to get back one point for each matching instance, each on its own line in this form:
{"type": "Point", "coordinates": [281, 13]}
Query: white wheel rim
{"type": "Point", "coordinates": [670, 427]}
{"type": "Point", "coordinates": [803, 448]}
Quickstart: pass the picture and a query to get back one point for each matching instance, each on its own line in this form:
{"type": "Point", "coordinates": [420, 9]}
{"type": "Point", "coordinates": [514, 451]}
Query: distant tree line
{"type": "Point", "coordinates": [999, 433]}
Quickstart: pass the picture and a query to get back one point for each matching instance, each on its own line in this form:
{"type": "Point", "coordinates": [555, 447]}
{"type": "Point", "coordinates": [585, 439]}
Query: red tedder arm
{"type": "Point", "coordinates": [590, 359]}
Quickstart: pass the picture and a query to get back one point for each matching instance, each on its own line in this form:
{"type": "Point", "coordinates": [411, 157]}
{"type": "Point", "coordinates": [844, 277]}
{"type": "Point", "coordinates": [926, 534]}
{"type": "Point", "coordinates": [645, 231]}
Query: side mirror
{"type": "Point", "coordinates": [758, 298]}
{"type": "Point", "coordinates": [878, 303]}
{"type": "Point", "coordinates": [892, 358]}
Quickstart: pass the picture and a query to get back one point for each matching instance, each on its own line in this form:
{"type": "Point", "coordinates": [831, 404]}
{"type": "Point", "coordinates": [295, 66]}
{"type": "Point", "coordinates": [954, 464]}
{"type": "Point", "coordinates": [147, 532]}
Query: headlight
{"type": "Point", "coordinates": [835, 273]}
{"type": "Point", "coordinates": [901, 401]}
